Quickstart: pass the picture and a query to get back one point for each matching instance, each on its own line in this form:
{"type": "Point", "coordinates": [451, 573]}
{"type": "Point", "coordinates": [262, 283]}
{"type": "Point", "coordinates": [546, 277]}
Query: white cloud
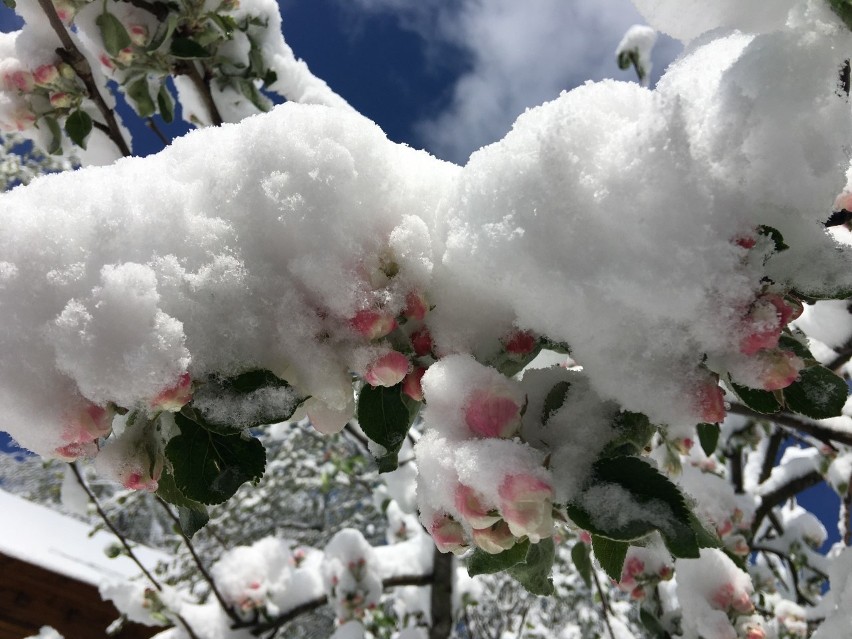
{"type": "Point", "coordinates": [522, 53]}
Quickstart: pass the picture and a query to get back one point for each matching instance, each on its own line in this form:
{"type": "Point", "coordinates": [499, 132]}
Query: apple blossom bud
{"type": "Point", "coordinates": [20, 81]}
{"type": "Point", "coordinates": [745, 241]}
{"type": "Point", "coordinates": [633, 567]}
{"type": "Point", "coordinates": [780, 369]}
{"type": "Point", "coordinates": [525, 503]}
{"type": "Point", "coordinates": [372, 324]}
{"type": "Point", "coordinates": [494, 539]}
{"type": "Point", "coordinates": [724, 528]}
{"type": "Point", "coordinates": [67, 71]}
{"type": "Point", "coordinates": [448, 534]}
{"type": "Point", "coordinates": [638, 593]}
{"type": "Point", "coordinates": [710, 402]}
{"type": "Point", "coordinates": [138, 34]}
{"type": "Point", "coordinates": [755, 632]}
{"type": "Point", "coordinates": [126, 56]}
{"type": "Point", "coordinates": [489, 413]}
{"type": "Point", "coordinates": [412, 386]}
{"type": "Point", "coordinates": [82, 429]}
{"type": "Point", "coordinates": [60, 100]}
{"type": "Point", "coordinates": [105, 61]}
{"type": "Point", "coordinates": [665, 573]}
{"type": "Point", "coordinates": [519, 343]}
{"type": "Point", "coordinates": [738, 545]}
{"type": "Point", "coordinates": [388, 370]}
{"type": "Point", "coordinates": [175, 397]}
{"type": "Point", "coordinates": [585, 537]}
{"type": "Point", "coordinates": [415, 306]}
{"type": "Point", "coordinates": [45, 74]}
{"type": "Point", "coordinates": [65, 10]}
{"type": "Point", "coordinates": [139, 479]}
{"type": "Point", "coordinates": [472, 508]}
{"type": "Point", "coordinates": [421, 341]}
{"type": "Point", "coordinates": [742, 603]}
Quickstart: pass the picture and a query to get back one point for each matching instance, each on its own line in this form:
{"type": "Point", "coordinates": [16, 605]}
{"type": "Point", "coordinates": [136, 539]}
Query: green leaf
{"type": "Point", "coordinates": [843, 8]}
{"type": "Point", "coordinates": [55, 145]}
{"type": "Point", "coordinates": [582, 562]}
{"type": "Point", "coordinates": [705, 537]}
{"type": "Point", "coordinates": [113, 33]}
{"type": "Point", "coordinates": [246, 401]}
{"type": "Point", "coordinates": [138, 91]}
{"type": "Point", "coordinates": [610, 555]}
{"type": "Point", "coordinates": [253, 380]}
{"type": "Point", "coordinates": [164, 32]}
{"type": "Point", "coordinates": [634, 431]}
{"type": "Point", "coordinates": [818, 393]}
{"type": "Point", "coordinates": [192, 520]}
{"type": "Point", "coordinates": [385, 418]}
{"type": "Point", "coordinates": [534, 572]}
{"type": "Point", "coordinates": [790, 343]}
{"type": "Point", "coordinates": [78, 125]}
{"type": "Point", "coordinates": [762, 401]}
{"type": "Point", "coordinates": [209, 467]}
{"type": "Point", "coordinates": [226, 23]}
{"type": "Point", "coordinates": [187, 49]}
{"type": "Point", "coordinates": [652, 624]}
{"type": "Point", "coordinates": [624, 60]}
{"type": "Point", "coordinates": [708, 437]}
{"type": "Point", "coordinates": [10, 3]}
{"type": "Point", "coordinates": [193, 515]}
{"type": "Point", "coordinates": [165, 104]}
{"type": "Point", "coordinates": [774, 235]}
{"type": "Point", "coordinates": [657, 504]}
{"type": "Point", "coordinates": [554, 400]}
{"type": "Point", "coordinates": [483, 563]}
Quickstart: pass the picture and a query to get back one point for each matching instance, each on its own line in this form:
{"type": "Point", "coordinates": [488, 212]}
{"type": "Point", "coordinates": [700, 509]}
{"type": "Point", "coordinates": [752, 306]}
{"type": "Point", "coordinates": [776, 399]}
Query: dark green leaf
{"type": "Point", "coordinates": [10, 3]}
{"type": "Point", "coordinates": [790, 343]}
{"type": "Point", "coordinates": [610, 555]}
{"type": "Point", "coordinates": [624, 60]}
{"type": "Point", "coordinates": [164, 32]}
{"type": "Point", "coordinates": [554, 400]}
{"type": "Point", "coordinates": [248, 89]}
{"type": "Point", "coordinates": [634, 430]}
{"type": "Point", "coordinates": [706, 538]}
{"type": "Point", "coordinates": [227, 410]}
{"type": "Point", "coordinates": [652, 624]}
{"type": "Point", "coordinates": [193, 515]}
{"type": "Point", "coordinates": [210, 467]}
{"type": "Point", "coordinates": [165, 104]}
{"type": "Point", "coordinates": [818, 393]}
{"type": "Point", "coordinates": [385, 419]}
{"type": "Point", "coordinates": [534, 572]}
{"type": "Point", "coordinates": [139, 93]}
{"type": "Point", "coordinates": [270, 77]}
{"type": "Point", "coordinates": [774, 235]}
{"type": "Point", "coordinates": [582, 562]}
{"type": "Point", "coordinates": [226, 23]}
{"type": "Point", "coordinates": [55, 145]}
{"type": "Point", "coordinates": [708, 437]}
{"type": "Point", "coordinates": [78, 125]}
{"type": "Point", "coordinates": [187, 49]}
{"type": "Point", "coordinates": [192, 520]}
{"type": "Point", "coordinates": [113, 33]}
{"type": "Point", "coordinates": [253, 380]}
{"type": "Point", "coordinates": [483, 563]}
{"type": "Point", "coordinates": [843, 8]}
{"type": "Point", "coordinates": [758, 400]}
{"type": "Point", "coordinates": [658, 505]}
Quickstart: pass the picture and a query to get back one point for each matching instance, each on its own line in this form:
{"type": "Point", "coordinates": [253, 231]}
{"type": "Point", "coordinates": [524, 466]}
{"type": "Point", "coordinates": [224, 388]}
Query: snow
{"type": "Point", "coordinates": [58, 543]}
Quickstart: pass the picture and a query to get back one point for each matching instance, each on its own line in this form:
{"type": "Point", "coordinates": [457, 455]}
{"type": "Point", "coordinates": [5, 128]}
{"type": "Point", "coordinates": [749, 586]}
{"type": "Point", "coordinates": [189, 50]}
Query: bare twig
{"type": "Point", "coordinates": [202, 85]}
{"type": "Point", "coordinates": [604, 603]}
{"type": "Point", "coordinates": [769, 455]}
{"type": "Point", "coordinates": [782, 494]}
{"type": "Point", "coordinates": [823, 433]}
{"type": "Point", "coordinates": [441, 598]}
{"type": "Point", "coordinates": [153, 126]}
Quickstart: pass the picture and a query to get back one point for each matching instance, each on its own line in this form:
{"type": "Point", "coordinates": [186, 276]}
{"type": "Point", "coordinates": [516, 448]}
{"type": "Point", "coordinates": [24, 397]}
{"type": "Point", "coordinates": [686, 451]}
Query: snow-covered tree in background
{"type": "Point", "coordinates": [543, 334]}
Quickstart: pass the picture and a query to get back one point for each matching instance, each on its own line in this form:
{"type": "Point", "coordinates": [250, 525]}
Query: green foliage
{"type": "Point", "coordinates": [385, 418]}
{"type": "Point", "coordinates": [78, 125]}
{"type": "Point", "coordinates": [758, 400]}
{"type": "Point", "coordinates": [708, 437]}
{"type": "Point", "coordinates": [187, 49]}
{"type": "Point", "coordinates": [113, 33]}
{"type": "Point", "coordinates": [610, 555]}
{"type": "Point", "coordinates": [165, 104]}
{"type": "Point", "coordinates": [554, 400]}
{"type": "Point", "coordinates": [139, 92]}
{"type": "Point", "coordinates": [634, 431]}
{"type": "Point", "coordinates": [774, 235]}
{"type": "Point", "coordinates": [209, 466]}
{"type": "Point", "coordinates": [483, 563]}
{"type": "Point", "coordinates": [530, 564]}
{"type": "Point", "coordinates": [193, 515]}
{"type": "Point", "coordinates": [818, 393]}
{"type": "Point", "coordinates": [582, 562]}
{"type": "Point", "coordinates": [843, 8]}
{"type": "Point", "coordinates": [55, 145]}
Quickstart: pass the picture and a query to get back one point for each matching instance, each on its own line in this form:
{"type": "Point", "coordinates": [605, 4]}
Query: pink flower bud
{"type": "Point", "coordinates": [83, 427]}
{"type": "Point", "coordinates": [412, 386]}
{"type": "Point", "coordinates": [519, 343]}
{"type": "Point", "coordinates": [138, 34]}
{"type": "Point", "coordinates": [60, 100]}
{"type": "Point", "coordinates": [45, 74]}
{"type": "Point", "coordinates": [67, 71]}
{"type": "Point", "coordinates": [415, 306]}
{"type": "Point", "coordinates": [494, 539]}
{"type": "Point", "coordinates": [665, 573]}
{"type": "Point", "coordinates": [768, 315]}
{"type": "Point", "coordinates": [21, 81]}
{"type": "Point", "coordinates": [105, 61]}
{"type": "Point", "coordinates": [638, 593]}
{"type": "Point", "coordinates": [421, 341]}
{"type": "Point", "coordinates": [448, 534]}
{"type": "Point", "coordinates": [126, 56]}
{"type": "Point", "coordinates": [525, 503]}
{"type": "Point", "coordinates": [585, 537]}
{"type": "Point", "coordinates": [633, 567]}
{"type": "Point", "coordinates": [65, 10]}
{"type": "Point", "coordinates": [489, 413]}
{"type": "Point", "coordinates": [175, 397]}
{"type": "Point", "coordinates": [755, 632]}
{"type": "Point", "coordinates": [725, 528]}
{"type": "Point", "coordinates": [780, 369]}
{"type": "Point", "coordinates": [741, 603]}
{"type": "Point", "coordinates": [745, 241]}
{"type": "Point", "coordinates": [387, 370]}
{"type": "Point", "coordinates": [710, 402]}
{"type": "Point", "coordinates": [372, 324]}
{"type": "Point", "coordinates": [139, 479]}
{"type": "Point", "coordinates": [472, 507]}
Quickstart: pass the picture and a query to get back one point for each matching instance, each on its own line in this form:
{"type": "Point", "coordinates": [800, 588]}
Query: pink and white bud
{"type": "Point", "coordinates": [710, 402]}
{"type": "Point", "coordinates": [585, 537]}
{"type": "Point", "coordinates": [779, 369]}
{"type": "Point", "coordinates": [421, 341]}
{"type": "Point", "coordinates": [519, 343]}
{"type": "Point", "coordinates": [494, 539]}
{"type": "Point", "coordinates": [126, 56]}
{"type": "Point", "coordinates": [388, 370]}
{"type": "Point", "coordinates": [416, 306]}
{"type": "Point", "coordinates": [525, 503]}
{"type": "Point", "coordinates": [767, 317]}
{"type": "Point", "coordinates": [144, 479]}
{"type": "Point", "coordinates": [66, 71]}
{"type": "Point", "coordinates": [61, 100]}
{"type": "Point", "coordinates": [745, 241]}
{"type": "Point", "coordinates": [65, 10]}
{"type": "Point", "coordinates": [105, 61]}
{"type": "Point", "coordinates": [492, 413]}
{"type": "Point", "coordinates": [82, 429]}
{"type": "Point", "coordinates": [372, 324]}
{"type": "Point", "coordinates": [20, 81]}
{"type": "Point", "coordinates": [138, 34]}
{"type": "Point", "coordinates": [21, 120]}
{"type": "Point", "coordinates": [638, 593]}
{"type": "Point", "coordinates": [448, 535]}
{"type": "Point", "coordinates": [175, 397]}
{"type": "Point", "coordinates": [412, 385]}
{"type": "Point", "coordinates": [472, 507]}
{"type": "Point", "coordinates": [45, 75]}
{"type": "Point", "coordinates": [665, 573]}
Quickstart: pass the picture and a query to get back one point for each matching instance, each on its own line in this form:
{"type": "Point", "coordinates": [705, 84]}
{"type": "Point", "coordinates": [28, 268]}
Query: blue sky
{"type": "Point", "coordinates": [452, 75]}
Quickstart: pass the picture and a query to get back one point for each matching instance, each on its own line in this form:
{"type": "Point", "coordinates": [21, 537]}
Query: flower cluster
{"type": "Point", "coordinates": [643, 569]}
{"type": "Point", "coordinates": [49, 91]}
{"type": "Point", "coordinates": [351, 582]}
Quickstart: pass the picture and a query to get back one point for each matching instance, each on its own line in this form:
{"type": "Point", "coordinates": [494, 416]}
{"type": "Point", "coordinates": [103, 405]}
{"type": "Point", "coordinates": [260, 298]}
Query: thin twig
{"type": "Point", "coordinates": [604, 603]}
{"type": "Point", "coordinates": [823, 433]}
{"type": "Point", "coordinates": [202, 85]}
{"type": "Point", "coordinates": [71, 55]}
{"type": "Point", "coordinates": [201, 568]}
{"type": "Point", "coordinates": [153, 126]}
{"type": "Point", "coordinates": [769, 455]}
{"type": "Point", "coordinates": [782, 494]}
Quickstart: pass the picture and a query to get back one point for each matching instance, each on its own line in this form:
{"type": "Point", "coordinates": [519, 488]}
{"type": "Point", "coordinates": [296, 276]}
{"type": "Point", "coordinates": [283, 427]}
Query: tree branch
{"type": "Point", "coordinates": [823, 433]}
{"type": "Point", "coordinates": [71, 55]}
{"type": "Point", "coordinates": [202, 85]}
{"type": "Point", "coordinates": [772, 448]}
{"type": "Point", "coordinates": [782, 494]}
{"type": "Point", "coordinates": [441, 598]}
